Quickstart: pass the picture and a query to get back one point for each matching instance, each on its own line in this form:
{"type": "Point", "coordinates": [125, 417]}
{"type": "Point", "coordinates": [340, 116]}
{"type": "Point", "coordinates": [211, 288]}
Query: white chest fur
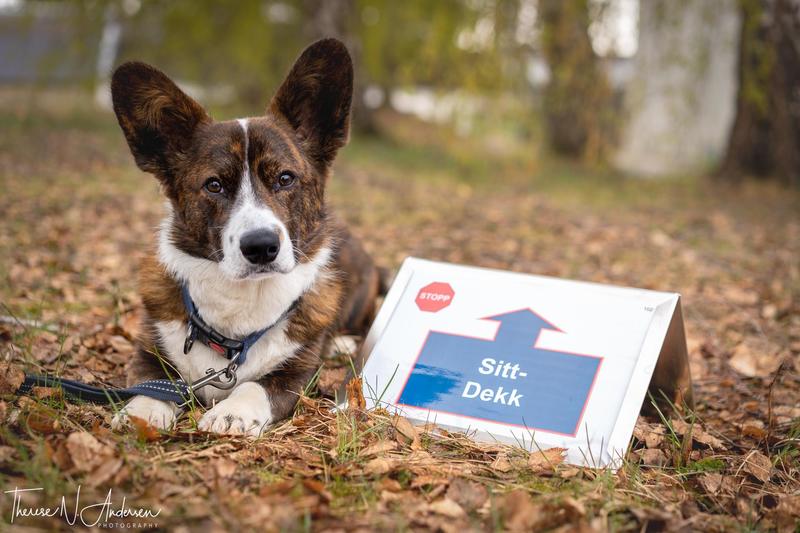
{"type": "Point", "coordinates": [235, 309]}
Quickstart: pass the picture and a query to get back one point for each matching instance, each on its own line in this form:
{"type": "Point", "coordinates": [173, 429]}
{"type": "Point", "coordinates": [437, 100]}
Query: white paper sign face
{"type": "Point", "coordinates": [517, 358]}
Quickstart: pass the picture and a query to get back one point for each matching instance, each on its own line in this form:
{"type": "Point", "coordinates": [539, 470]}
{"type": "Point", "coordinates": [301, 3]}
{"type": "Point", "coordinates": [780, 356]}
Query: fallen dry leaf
{"type": "Point", "coordinates": [406, 432]}
{"type": "Point", "coordinates": [7, 453]}
{"type": "Point", "coordinates": [787, 513]}
{"type": "Point", "coordinates": [654, 439]}
{"type": "Point", "coordinates": [279, 487]}
{"type": "Point", "coordinates": [355, 394]}
{"type": "Point", "coordinates": [120, 344]}
{"type": "Point", "coordinates": [519, 512]}
{"type": "Point", "coordinates": [756, 357]}
{"type": "Point", "coordinates": [224, 468]}
{"type": "Point", "coordinates": [11, 377]}
{"type": "Point", "coordinates": [145, 432]}
{"type": "Point", "coordinates": [758, 465]}
{"type": "Point", "coordinates": [741, 296]}
{"type": "Point", "coordinates": [698, 434]}
{"type": "Point", "coordinates": [754, 429]}
{"type": "Point", "coordinates": [380, 447]}
{"type": "Point", "coordinates": [391, 496]}
{"type": "Point", "coordinates": [43, 419]}
{"type": "Point", "coordinates": [318, 488]}
{"type": "Point", "coordinates": [392, 485]}
{"type": "Point", "coordinates": [568, 473]}
{"type": "Point", "coordinates": [447, 507]}
{"type": "Point", "coordinates": [501, 463]}
{"type": "Point", "coordinates": [704, 437]}
{"type": "Point", "coordinates": [658, 518]}
{"type": "Point", "coordinates": [653, 457]}
{"type": "Point", "coordinates": [104, 472]}
{"type": "Point", "coordinates": [428, 481]}
{"type": "Point", "coordinates": [574, 507]}
{"type": "Point", "coordinates": [468, 494]}
{"type": "Point", "coordinates": [378, 466]}
{"type": "Point", "coordinates": [546, 461]}
{"type": "Point", "coordinates": [86, 452]}
{"type": "Point", "coordinates": [711, 482]}
{"type": "Point", "coordinates": [680, 427]}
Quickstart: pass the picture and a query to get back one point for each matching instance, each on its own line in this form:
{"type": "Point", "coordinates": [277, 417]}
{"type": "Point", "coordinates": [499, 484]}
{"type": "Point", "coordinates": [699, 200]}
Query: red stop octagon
{"type": "Point", "coordinates": [435, 296]}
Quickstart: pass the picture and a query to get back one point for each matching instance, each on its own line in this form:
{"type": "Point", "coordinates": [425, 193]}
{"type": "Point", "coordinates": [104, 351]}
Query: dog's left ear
{"type": "Point", "coordinates": [315, 98]}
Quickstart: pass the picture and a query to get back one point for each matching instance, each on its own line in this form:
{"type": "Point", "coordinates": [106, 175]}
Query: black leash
{"type": "Point", "coordinates": [177, 391]}
{"type": "Point", "coordinates": [161, 389]}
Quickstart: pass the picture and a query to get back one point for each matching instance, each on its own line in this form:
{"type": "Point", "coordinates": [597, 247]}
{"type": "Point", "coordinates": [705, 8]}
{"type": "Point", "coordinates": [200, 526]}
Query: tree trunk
{"type": "Point", "coordinates": [334, 18]}
{"type": "Point", "coordinates": [578, 98]}
{"type": "Point", "coordinates": [680, 103]}
{"type": "Point", "coordinates": [765, 139]}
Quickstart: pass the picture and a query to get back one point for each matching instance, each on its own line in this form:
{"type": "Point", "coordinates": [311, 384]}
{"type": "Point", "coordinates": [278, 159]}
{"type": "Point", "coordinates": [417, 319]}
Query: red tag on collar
{"type": "Point", "coordinates": [216, 347]}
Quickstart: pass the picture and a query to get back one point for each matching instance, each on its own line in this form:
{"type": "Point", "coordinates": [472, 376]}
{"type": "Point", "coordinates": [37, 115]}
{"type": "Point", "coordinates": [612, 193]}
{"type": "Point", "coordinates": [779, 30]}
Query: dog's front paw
{"type": "Point", "coordinates": [157, 413]}
{"type": "Point", "coordinates": [245, 412]}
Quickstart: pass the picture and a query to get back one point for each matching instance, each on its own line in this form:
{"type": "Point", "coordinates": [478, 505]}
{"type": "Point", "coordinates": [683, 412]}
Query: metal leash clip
{"type": "Point", "coordinates": [224, 379]}
{"type": "Point", "coordinates": [191, 335]}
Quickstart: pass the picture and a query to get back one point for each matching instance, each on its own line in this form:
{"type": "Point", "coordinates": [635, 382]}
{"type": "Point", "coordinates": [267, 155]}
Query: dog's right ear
{"type": "Point", "coordinates": [157, 118]}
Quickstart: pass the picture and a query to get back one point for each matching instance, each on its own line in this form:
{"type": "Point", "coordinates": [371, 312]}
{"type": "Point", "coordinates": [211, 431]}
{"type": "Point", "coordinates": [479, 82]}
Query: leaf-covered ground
{"type": "Point", "coordinates": [76, 216]}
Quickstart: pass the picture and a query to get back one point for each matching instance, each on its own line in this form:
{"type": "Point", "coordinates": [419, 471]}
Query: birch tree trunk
{"type": "Point", "coordinates": [680, 105]}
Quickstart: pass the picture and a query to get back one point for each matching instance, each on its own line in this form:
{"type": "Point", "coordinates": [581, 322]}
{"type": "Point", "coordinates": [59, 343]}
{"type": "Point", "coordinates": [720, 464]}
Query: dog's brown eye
{"type": "Point", "coordinates": [213, 186]}
{"type": "Point", "coordinates": [285, 180]}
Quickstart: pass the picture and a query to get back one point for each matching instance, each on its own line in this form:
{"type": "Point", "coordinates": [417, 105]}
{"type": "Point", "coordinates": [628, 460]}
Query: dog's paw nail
{"type": "Point", "coordinates": [245, 412]}
{"type": "Point", "coordinates": [221, 420]}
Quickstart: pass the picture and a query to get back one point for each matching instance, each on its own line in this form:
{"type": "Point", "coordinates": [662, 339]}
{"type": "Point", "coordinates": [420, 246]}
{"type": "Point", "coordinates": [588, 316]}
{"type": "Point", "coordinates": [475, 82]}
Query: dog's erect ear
{"type": "Point", "coordinates": [158, 119]}
{"type": "Point", "coordinates": [315, 98]}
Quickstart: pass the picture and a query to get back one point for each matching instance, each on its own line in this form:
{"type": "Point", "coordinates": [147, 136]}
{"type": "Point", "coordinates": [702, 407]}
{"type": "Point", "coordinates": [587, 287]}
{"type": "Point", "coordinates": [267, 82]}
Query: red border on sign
{"type": "Point", "coordinates": [535, 345]}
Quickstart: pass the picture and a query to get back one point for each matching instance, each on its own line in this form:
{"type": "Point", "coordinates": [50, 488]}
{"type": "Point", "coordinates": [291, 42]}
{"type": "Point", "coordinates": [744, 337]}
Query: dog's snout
{"type": "Point", "coordinates": [261, 246]}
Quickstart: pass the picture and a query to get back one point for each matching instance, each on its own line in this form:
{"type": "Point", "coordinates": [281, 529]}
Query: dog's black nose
{"type": "Point", "coordinates": [260, 246]}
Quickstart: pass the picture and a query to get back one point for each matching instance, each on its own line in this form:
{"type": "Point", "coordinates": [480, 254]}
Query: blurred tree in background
{"type": "Point", "coordinates": [577, 104]}
{"type": "Point", "coordinates": [679, 103]}
{"type": "Point", "coordinates": [765, 140]}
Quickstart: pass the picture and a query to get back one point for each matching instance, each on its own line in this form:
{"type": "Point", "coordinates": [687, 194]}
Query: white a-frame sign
{"type": "Point", "coordinates": [521, 359]}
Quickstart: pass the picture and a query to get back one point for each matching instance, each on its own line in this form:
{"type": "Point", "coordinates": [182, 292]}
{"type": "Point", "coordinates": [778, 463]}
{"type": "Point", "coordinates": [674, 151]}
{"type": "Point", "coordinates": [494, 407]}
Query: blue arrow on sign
{"type": "Point", "coordinates": [506, 379]}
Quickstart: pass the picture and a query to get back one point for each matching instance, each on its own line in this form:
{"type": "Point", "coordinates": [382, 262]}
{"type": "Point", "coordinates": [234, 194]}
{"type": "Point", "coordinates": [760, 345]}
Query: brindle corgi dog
{"type": "Point", "coordinates": [248, 240]}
